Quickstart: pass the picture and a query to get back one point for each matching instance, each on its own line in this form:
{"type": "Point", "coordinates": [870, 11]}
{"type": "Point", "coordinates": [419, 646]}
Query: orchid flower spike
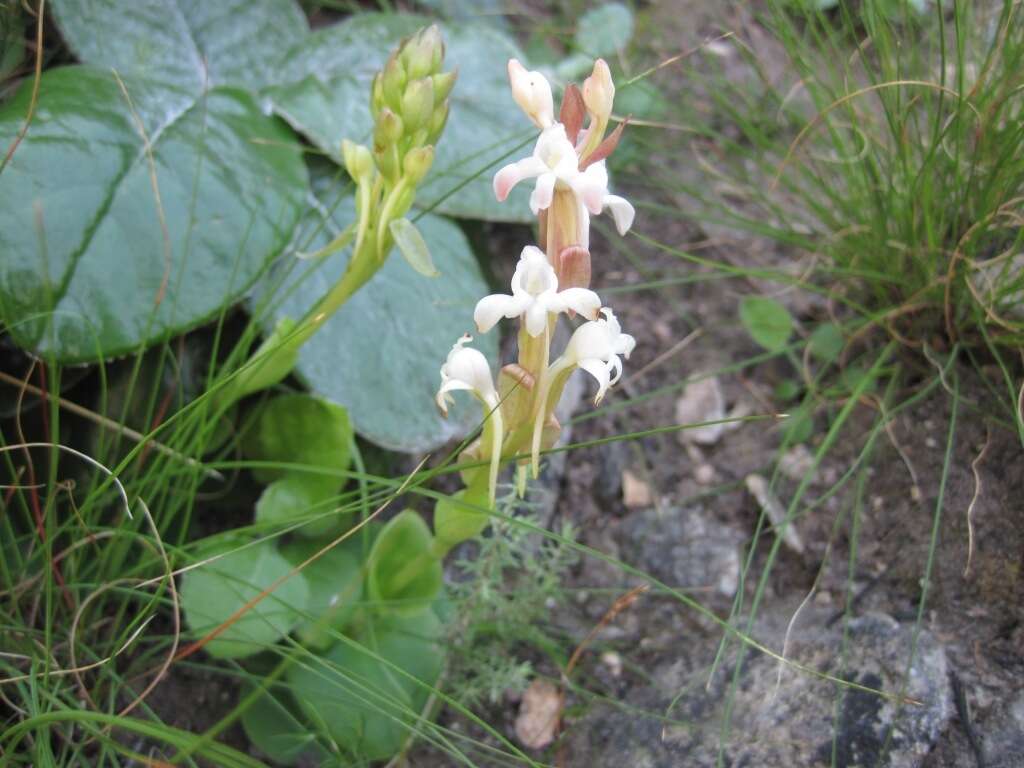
{"type": "Point", "coordinates": [532, 93]}
{"type": "Point", "coordinates": [535, 294]}
{"type": "Point", "coordinates": [595, 347]}
{"type": "Point", "coordinates": [467, 369]}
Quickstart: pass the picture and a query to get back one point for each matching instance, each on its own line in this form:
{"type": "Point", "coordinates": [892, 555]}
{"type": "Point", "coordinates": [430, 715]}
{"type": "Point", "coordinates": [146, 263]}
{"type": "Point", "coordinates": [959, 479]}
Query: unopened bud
{"type": "Point", "coordinates": [393, 81]}
{"type": "Point", "coordinates": [599, 92]}
{"type": "Point", "coordinates": [386, 159]}
{"type": "Point", "coordinates": [423, 53]}
{"type": "Point", "coordinates": [417, 162]}
{"type": "Point", "coordinates": [377, 95]}
{"type": "Point", "coordinates": [417, 103]}
{"type": "Point", "coordinates": [443, 84]}
{"type": "Point", "coordinates": [389, 128]}
{"type": "Point", "coordinates": [437, 122]}
{"type": "Point", "coordinates": [532, 93]}
{"type": "Point", "coordinates": [358, 160]}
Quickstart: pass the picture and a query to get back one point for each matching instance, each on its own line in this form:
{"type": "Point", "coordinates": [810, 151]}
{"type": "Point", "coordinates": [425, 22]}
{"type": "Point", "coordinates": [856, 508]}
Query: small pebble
{"type": "Point", "coordinates": [704, 474]}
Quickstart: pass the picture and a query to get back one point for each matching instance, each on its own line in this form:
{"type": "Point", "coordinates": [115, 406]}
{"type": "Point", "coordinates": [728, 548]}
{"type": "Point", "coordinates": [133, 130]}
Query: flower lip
{"type": "Point", "coordinates": [466, 369]}
{"type": "Point", "coordinates": [535, 295]}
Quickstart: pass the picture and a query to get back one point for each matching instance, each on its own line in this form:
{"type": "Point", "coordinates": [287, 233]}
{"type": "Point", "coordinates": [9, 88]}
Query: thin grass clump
{"type": "Point", "coordinates": [898, 166]}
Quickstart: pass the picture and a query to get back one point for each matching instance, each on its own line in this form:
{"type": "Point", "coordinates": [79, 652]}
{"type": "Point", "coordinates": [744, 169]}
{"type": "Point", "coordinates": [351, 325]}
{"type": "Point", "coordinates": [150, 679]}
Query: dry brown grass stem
{"type": "Point", "coordinates": [974, 500]}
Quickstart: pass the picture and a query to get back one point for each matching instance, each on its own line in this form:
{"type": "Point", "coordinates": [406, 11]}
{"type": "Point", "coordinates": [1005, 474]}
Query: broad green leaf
{"type": "Point", "coordinates": [273, 728]}
{"type": "Point", "coordinates": [456, 520]}
{"type": "Point", "coordinates": [767, 321]}
{"type": "Point", "coordinates": [323, 91]}
{"type": "Point", "coordinates": [604, 30]}
{"type": "Point", "coordinates": [212, 593]}
{"type": "Point", "coordinates": [403, 575]}
{"type": "Point", "coordinates": [380, 354]}
{"type": "Point", "coordinates": [191, 44]}
{"type": "Point", "coordinates": [302, 496]}
{"type": "Point", "coordinates": [827, 342]}
{"type": "Point", "coordinates": [335, 582]}
{"type": "Point", "coordinates": [92, 266]}
{"type": "Point", "coordinates": [413, 247]}
{"type": "Point", "coordinates": [301, 429]}
{"type": "Point", "coordinates": [354, 691]}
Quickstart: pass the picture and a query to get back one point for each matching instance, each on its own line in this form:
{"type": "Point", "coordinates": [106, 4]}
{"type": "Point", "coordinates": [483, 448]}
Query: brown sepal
{"type": "Point", "coordinates": [572, 112]}
{"type": "Point", "coordinates": [606, 147]}
{"type": "Point", "coordinates": [573, 268]}
{"type": "Point", "coordinates": [519, 374]}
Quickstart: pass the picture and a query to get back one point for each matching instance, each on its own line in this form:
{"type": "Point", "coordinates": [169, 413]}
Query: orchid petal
{"type": "Point", "coordinates": [622, 211]}
{"type": "Point", "coordinates": [580, 300]}
{"type": "Point", "coordinates": [513, 173]}
{"type": "Point", "coordinates": [540, 198]}
{"type": "Point", "coordinates": [490, 309]}
{"type": "Point", "coordinates": [536, 319]}
{"type": "Point", "coordinates": [599, 371]}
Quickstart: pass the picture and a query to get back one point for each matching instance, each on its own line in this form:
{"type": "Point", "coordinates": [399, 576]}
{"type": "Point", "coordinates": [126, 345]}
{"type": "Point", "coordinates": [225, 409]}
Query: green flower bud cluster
{"type": "Point", "coordinates": [409, 104]}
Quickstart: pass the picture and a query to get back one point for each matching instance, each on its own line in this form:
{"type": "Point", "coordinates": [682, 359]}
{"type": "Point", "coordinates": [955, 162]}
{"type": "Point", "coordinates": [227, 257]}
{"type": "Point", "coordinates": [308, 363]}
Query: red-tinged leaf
{"type": "Point", "coordinates": [606, 147]}
{"type": "Point", "coordinates": [573, 268]}
{"type": "Point", "coordinates": [572, 112]}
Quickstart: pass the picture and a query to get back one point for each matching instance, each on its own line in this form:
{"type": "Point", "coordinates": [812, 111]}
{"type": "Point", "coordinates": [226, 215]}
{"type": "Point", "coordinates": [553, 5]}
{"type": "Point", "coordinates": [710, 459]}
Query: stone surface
{"type": "Point", "coordinates": [701, 401]}
{"type": "Point", "coordinates": [1003, 742]}
{"type": "Point", "coordinates": [797, 719]}
{"type": "Point", "coordinates": [683, 548]}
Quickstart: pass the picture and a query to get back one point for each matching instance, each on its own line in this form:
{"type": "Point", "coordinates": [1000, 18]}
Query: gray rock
{"type": "Point", "coordinates": [683, 548]}
{"type": "Point", "coordinates": [794, 720]}
{"type": "Point", "coordinates": [1003, 742]}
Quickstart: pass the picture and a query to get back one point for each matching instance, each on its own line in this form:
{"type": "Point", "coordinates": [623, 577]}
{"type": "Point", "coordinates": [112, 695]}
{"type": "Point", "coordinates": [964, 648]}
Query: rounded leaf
{"type": "Point", "coordinates": [94, 264]}
{"type": "Point", "coordinates": [367, 706]}
{"type": "Point", "coordinates": [301, 429]}
{"type": "Point", "coordinates": [767, 321]}
{"type": "Point", "coordinates": [212, 593]}
{"type": "Point", "coordinates": [403, 574]}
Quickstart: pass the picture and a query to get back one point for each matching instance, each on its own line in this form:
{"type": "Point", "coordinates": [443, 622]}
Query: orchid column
{"type": "Point", "coordinates": [568, 163]}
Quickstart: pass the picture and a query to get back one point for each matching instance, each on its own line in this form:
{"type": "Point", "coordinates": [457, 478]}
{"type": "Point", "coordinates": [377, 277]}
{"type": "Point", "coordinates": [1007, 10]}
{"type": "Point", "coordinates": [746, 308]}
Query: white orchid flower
{"type": "Point", "coordinates": [553, 160]}
{"type": "Point", "coordinates": [534, 294]}
{"type": "Point", "coordinates": [596, 198]}
{"type": "Point", "coordinates": [555, 164]}
{"type": "Point", "coordinates": [595, 347]}
{"type": "Point", "coordinates": [532, 93]}
{"type": "Point", "coordinates": [467, 369]}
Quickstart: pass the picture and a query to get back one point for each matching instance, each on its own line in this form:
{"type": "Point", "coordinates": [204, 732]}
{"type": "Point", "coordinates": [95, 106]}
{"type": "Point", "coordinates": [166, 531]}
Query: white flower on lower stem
{"type": "Point", "coordinates": [534, 294]}
{"type": "Point", "coordinates": [466, 369]}
{"type": "Point", "coordinates": [555, 164]}
{"type": "Point", "coordinates": [595, 347]}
